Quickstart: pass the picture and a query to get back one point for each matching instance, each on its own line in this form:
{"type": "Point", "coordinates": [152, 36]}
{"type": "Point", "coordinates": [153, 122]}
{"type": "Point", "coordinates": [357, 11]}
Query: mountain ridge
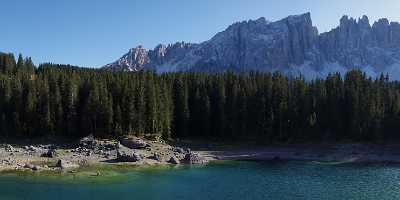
{"type": "Point", "coordinates": [291, 45]}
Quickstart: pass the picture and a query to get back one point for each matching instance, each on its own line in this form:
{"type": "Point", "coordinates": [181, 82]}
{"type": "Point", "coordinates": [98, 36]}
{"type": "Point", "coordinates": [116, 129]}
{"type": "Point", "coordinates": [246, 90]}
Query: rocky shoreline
{"type": "Point", "coordinates": [90, 151]}
{"type": "Point", "coordinates": [143, 152]}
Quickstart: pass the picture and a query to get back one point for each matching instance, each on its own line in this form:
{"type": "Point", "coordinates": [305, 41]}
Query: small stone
{"type": "Point", "coordinates": [157, 157]}
{"type": "Point", "coordinates": [9, 148]}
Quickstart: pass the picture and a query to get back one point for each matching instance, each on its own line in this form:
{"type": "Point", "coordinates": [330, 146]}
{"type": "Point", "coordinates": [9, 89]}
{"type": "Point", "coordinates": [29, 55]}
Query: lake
{"type": "Point", "coordinates": [236, 180]}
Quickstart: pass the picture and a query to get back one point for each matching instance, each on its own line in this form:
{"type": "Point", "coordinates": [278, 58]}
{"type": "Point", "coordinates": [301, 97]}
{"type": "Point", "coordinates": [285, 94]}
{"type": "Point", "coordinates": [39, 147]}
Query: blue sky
{"type": "Point", "coordinates": [92, 33]}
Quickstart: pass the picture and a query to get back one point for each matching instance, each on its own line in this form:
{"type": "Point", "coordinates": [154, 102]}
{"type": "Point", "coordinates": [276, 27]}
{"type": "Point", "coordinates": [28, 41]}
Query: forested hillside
{"type": "Point", "coordinates": [61, 100]}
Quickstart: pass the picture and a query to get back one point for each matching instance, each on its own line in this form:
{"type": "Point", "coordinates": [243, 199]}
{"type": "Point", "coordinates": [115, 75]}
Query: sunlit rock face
{"type": "Point", "coordinates": [291, 45]}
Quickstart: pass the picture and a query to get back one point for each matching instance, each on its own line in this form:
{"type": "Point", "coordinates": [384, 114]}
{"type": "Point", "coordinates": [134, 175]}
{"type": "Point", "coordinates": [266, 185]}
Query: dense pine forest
{"type": "Point", "coordinates": [60, 100]}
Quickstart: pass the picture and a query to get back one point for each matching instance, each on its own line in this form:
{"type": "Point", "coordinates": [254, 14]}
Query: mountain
{"type": "Point", "coordinates": [291, 45]}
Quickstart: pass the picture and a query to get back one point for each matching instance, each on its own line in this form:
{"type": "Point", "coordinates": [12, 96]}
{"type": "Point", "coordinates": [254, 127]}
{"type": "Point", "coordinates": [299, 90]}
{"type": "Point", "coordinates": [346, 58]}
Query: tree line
{"type": "Point", "coordinates": [61, 100]}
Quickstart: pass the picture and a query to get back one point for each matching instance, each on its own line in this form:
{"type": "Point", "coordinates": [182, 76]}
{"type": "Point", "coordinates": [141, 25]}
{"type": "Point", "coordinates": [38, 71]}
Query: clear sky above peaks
{"type": "Point", "coordinates": [92, 33]}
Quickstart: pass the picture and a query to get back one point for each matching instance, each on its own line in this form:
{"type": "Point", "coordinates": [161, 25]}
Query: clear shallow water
{"type": "Point", "coordinates": [232, 180]}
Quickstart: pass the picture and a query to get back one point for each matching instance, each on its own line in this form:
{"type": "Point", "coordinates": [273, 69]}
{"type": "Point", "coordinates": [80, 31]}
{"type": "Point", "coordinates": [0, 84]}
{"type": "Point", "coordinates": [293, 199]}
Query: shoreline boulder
{"type": "Point", "coordinates": [125, 154]}
{"type": "Point", "coordinates": [33, 149]}
{"type": "Point", "coordinates": [32, 167]}
{"type": "Point", "coordinates": [193, 158]}
{"type": "Point", "coordinates": [50, 154]}
{"type": "Point", "coordinates": [88, 142]}
{"type": "Point", "coordinates": [157, 157]}
{"type": "Point", "coordinates": [134, 143]}
{"type": "Point", "coordinates": [174, 160]}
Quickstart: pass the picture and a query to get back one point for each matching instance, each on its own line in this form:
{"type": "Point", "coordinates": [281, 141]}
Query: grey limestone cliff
{"type": "Point", "coordinates": [291, 45]}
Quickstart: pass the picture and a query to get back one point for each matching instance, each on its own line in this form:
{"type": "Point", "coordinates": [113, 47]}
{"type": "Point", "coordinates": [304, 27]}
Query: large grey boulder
{"type": "Point", "coordinates": [134, 143]}
{"type": "Point", "coordinates": [127, 155]}
{"type": "Point", "coordinates": [193, 158]}
{"type": "Point", "coordinates": [51, 153]}
{"type": "Point", "coordinates": [107, 146]}
{"type": "Point", "coordinates": [88, 142]}
{"type": "Point", "coordinates": [32, 167]}
{"type": "Point", "coordinates": [33, 149]}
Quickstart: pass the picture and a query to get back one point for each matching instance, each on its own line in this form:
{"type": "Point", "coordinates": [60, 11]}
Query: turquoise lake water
{"type": "Point", "coordinates": [231, 180]}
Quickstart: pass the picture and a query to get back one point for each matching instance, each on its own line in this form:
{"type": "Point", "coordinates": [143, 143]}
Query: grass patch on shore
{"type": "Point", "coordinates": [97, 173]}
{"type": "Point", "coordinates": [94, 173]}
{"type": "Point", "coordinates": [80, 175]}
{"type": "Point", "coordinates": [62, 152]}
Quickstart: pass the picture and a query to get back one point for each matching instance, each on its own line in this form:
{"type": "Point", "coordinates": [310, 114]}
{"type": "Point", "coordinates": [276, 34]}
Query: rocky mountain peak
{"type": "Point", "coordinates": [291, 45]}
{"type": "Point", "coordinates": [345, 20]}
{"type": "Point", "coordinates": [364, 21]}
{"type": "Point", "coordinates": [132, 61]}
{"type": "Point", "coordinates": [262, 20]}
{"type": "Point", "coordinates": [303, 18]}
{"type": "Point", "coordinates": [138, 51]}
{"type": "Point", "coordinates": [382, 23]}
